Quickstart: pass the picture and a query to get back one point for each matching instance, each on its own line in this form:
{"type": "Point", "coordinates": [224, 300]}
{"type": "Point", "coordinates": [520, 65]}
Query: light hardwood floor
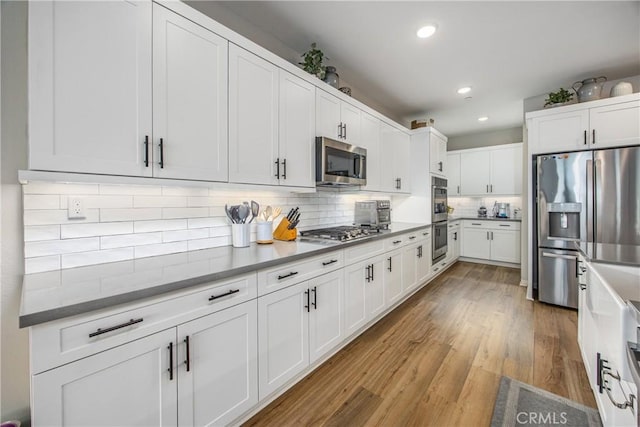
{"type": "Point", "coordinates": [438, 358]}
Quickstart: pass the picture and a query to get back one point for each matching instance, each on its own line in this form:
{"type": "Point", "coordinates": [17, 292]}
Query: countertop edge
{"type": "Point", "coordinates": [37, 318]}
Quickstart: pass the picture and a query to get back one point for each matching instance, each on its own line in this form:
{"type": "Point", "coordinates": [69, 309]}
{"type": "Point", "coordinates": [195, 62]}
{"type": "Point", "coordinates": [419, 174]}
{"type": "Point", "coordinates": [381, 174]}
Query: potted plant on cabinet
{"type": "Point", "coordinates": [313, 62]}
{"type": "Point", "coordinates": [561, 97]}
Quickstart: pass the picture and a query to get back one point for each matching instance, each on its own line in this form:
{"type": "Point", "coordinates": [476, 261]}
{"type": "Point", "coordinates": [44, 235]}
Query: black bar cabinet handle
{"type": "Point", "coordinates": [372, 270]}
{"type": "Point", "coordinates": [395, 242]}
{"type": "Point", "coordinates": [329, 262]}
{"type": "Point", "coordinates": [277, 162]}
{"type": "Point", "coordinates": [284, 167]}
{"type": "Point", "coordinates": [585, 137]}
{"type": "Point", "coordinates": [187, 362]}
{"type": "Point", "coordinates": [345, 130]}
{"type": "Point", "coordinates": [593, 136]}
{"type": "Point", "coordinates": [161, 162]}
{"type": "Point", "coordinates": [505, 225]}
{"type": "Point", "coordinates": [146, 151]}
{"type": "Point", "coordinates": [170, 361]}
{"type": "Point", "coordinates": [412, 237]}
{"type": "Point", "coordinates": [101, 331]}
{"type": "Point", "coordinates": [455, 235]}
{"type": "Point", "coordinates": [440, 166]}
{"type": "Point", "coordinates": [315, 297]}
{"type": "Point", "coordinates": [226, 294]}
{"type": "Point", "coordinates": [340, 130]}
{"type": "Point", "coordinates": [368, 273]}
{"type": "Point", "coordinates": [389, 268]}
{"type": "Point", "coordinates": [307, 294]}
{"type": "Point", "coordinates": [293, 273]}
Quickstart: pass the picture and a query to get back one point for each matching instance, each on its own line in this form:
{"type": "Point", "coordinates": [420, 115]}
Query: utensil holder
{"type": "Point", "coordinates": [283, 233]}
{"type": "Point", "coordinates": [264, 232]}
{"type": "Point", "coordinates": [240, 235]}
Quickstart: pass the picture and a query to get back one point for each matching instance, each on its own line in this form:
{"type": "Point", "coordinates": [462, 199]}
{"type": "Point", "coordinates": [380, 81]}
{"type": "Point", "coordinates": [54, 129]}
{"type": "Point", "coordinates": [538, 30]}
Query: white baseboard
{"type": "Point", "coordinates": [489, 262]}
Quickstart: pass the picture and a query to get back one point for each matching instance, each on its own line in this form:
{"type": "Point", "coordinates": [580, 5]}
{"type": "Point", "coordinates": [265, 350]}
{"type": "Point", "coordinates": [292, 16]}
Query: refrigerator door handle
{"type": "Point", "coordinates": [597, 189]}
{"type": "Point", "coordinates": [590, 201]}
{"type": "Point", "coordinates": [550, 255]}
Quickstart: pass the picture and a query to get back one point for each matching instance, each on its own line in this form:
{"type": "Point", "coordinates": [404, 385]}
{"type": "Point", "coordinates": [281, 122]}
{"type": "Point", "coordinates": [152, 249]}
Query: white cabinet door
{"type": "Point", "coordinates": [218, 366]}
{"type": "Point", "coordinates": [409, 268]}
{"type": "Point", "coordinates": [189, 99]}
{"type": "Point", "coordinates": [253, 118]}
{"type": "Point", "coordinates": [326, 318]}
{"type": "Point", "coordinates": [505, 245]}
{"type": "Point", "coordinates": [297, 131]}
{"type": "Point", "coordinates": [453, 174]}
{"type": "Point", "coordinates": [388, 177]}
{"type": "Point", "coordinates": [90, 86]}
{"type": "Point", "coordinates": [393, 277]}
{"type": "Point", "coordinates": [423, 263]}
{"type": "Point", "coordinates": [375, 302]}
{"type": "Point", "coordinates": [283, 336]}
{"type": "Point", "coordinates": [506, 171]}
{"type": "Point", "coordinates": [350, 117]}
{"type": "Point", "coordinates": [328, 115]}
{"type": "Point", "coordinates": [615, 125]}
{"type": "Point", "coordinates": [456, 244]}
{"type": "Point", "coordinates": [402, 161]}
{"type": "Point", "coordinates": [370, 139]}
{"type": "Point", "coordinates": [559, 132]}
{"type": "Point", "coordinates": [127, 385]}
{"type": "Point", "coordinates": [355, 291]}
{"type": "Point", "coordinates": [437, 155]}
{"type": "Point", "coordinates": [476, 176]}
{"type": "Point", "coordinates": [476, 243]}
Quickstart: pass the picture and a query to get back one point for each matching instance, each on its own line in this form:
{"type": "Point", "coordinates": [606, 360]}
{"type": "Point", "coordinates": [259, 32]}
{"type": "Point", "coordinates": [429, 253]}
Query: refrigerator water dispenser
{"type": "Point", "coordinates": [564, 220]}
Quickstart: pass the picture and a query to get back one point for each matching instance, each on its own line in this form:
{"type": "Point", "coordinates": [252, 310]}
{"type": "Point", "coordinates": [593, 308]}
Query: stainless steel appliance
{"type": "Point", "coordinates": [339, 163]}
{"type": "Point", "coordinates": [502, 210]}
{"type": "Point", "coordinates": [581, 196]}
{"type": "Point", "coordinates": [343, 233]}
{"type": "Point", "coordinates": [438, 218]}
{"type": "Point", "coordinates": [373, 214]}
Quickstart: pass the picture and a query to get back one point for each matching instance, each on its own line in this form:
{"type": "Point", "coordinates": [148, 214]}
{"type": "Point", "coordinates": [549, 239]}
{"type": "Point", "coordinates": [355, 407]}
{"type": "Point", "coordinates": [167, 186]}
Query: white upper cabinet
{"type": "Point", "coordinates": [610, 122]}
{"type": "Point", "coordinates": [297, 117]}
{"type": "Point", "coordinates": [337, 119]}
{"type": "Point", "coordinates": [395, 168]}
{"type": "Point", "coordinates": [495, 170]}
{"type": "Point", "coordinates": [370, 139]}
{"type": "Point", "coordinates": [453, 174]}
{"type": "Point", "coordinates": [253, 118]}
{"type": "Point", "coordinates": [189, 99]}
{"type": "Point", "coordinates": [90, 86]}
{"type": "Point", "coordinates": [437, 154]}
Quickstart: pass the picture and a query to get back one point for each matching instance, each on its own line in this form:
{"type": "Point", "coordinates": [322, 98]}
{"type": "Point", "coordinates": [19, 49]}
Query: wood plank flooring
{"type": "Point", "coordinates": [437, 359]}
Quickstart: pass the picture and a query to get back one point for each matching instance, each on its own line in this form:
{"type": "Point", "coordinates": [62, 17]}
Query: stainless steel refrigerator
{"type": "Point", "coordinates": [591, 196]}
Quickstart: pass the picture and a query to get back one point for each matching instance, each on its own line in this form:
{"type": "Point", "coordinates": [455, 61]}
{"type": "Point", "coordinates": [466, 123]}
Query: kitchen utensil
{"type": "Point", "coordinates": [283, 232]}
{"type": "Point", "coordinates": [233, 210]}
{"type": "Point", "coordinates": [289, 214]}
{"type": "Point", "coordinates": [589, 89]}
{"type": "Point", "coordinates": [226, 210]}
{"type": "Point", "coordinates": [621, 88]}
{"type": "Point", "coordinates": [243, 213]}
{"type": "Point", "coordinates": [267, 213]}
{"type": "Point", "coordinates": [255, 208]}
{"type": "Point", "coordinates": [275, 213]}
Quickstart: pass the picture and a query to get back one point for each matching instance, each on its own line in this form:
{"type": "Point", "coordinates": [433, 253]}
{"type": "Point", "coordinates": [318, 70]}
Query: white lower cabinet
{"type": "Point", "coordinates": [409, 271]}
{"type": "Point", "coordinates": [363, 293]}
{"type": "Point", "coordinates": [217, 366]}
{"type": "Point", "coordinates": [423, 263]}
{"type": "Point", "coordinates": [393, 277]}
{"type": "Point", "coordinates": [491, 240]}
{"type": "Point", "coordinates": [297, 325]}
{"type": "Point", "coordinates": [133, 384]}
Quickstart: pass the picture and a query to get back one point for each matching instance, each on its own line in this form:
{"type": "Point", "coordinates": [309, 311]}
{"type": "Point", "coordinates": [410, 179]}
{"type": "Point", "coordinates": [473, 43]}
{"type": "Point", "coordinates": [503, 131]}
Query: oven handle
{"type": "Point", "coordinates": [550, 255]}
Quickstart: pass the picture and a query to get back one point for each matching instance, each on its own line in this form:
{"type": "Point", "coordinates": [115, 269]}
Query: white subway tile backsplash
{"type": "Point", "coordinates": [106, 201]}
{"type": "Point", "coordinates": [160, 202]}
{"type": "Point", "coordinates": [213, 242]}
{"type": "Point", "coordinates": [71, 231]}
{"type": "Point", "coordinates": [178, 235]}
{"type": "Point", "coordinates": [133, 190]}
{"type": "Point", "coordinates": [135, 214]}
{"type": "Point", "coordinates": [185, 191]}
{"type": "Point", "coordinates": [40, 264]}
{"type": "Point", "coordinates": [57, 247]}
{"type": "Point", "coordinates": [34, 233]}
{"type": "Point", "coordinates": [160, 249]}
{"type": "Point", "coordinates": [219, 231]}
{"type": "Point", "coordinates": [208, 222]}
{"type": "Point", "coordinates": [96, 257]}
{"type": "Point", "coordinates": [57, 216]}
{"type": "Point", "coordinates": [59, 188]}
{"type": "Point", "coordinates": [173, 213]}
{"type": "Point", "coordinates": [41, 201]}
{"type": "Point", "coordinates": [125, 240]}
{"type": "Point", "coordinates": [160, 225]}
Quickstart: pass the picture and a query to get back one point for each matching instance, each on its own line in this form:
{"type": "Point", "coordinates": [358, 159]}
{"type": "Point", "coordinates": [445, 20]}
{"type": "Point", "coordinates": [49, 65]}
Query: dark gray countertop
{"type": "Point", "coordinates": [610, 253]}
{"type": "Point", "coordinates": [57, 294]}
{"type": "Point", "coordinates": [489, 218]}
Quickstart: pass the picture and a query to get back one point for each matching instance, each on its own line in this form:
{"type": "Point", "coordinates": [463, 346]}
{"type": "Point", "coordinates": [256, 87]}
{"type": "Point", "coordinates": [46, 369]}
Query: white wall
{"type": "Point", "coordinates": [485, 139]}
{"type": "Point", "coordinates": [14, 368]}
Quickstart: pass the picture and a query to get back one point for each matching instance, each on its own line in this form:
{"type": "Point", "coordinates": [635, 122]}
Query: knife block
{"type": "Point", "coordinates": [283, 233]}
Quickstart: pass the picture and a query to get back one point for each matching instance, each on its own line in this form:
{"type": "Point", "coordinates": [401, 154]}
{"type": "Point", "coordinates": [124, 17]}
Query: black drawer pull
{"type": "Point", "coordinates": [426, 233]}
{"type": "Point", "coordinates": [232, 291]}
{"type": "Point", "coordinates": [395, 242]}
{"type": "Point", "coordinates": [101, 331]}
{"type": "Point", "coordinates": [505, 225]}
{"type": "Point", "coordinates": [329, 262]}
{"type": "Point", "coordinates": [475, 223]}
{"type": "Point", "coordinates": [412, 237]}
{"type": "Point", "coordinates": [293, 273]}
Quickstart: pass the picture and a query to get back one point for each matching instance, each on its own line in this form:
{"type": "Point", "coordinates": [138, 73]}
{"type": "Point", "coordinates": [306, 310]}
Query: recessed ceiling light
{"type": "Point", "coordinates": [465, 89]}
{"type": "Point", "coordinates": [483, 119]}
{"type": "Point", "coordinates": [426, 31]}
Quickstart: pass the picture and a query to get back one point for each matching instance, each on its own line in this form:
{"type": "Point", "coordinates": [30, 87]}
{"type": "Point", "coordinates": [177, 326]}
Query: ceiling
{"type": "Point", "coordinates": [506, 51]}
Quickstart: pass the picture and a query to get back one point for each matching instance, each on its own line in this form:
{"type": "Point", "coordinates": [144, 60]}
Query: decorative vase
{"type": "Point", "coordinates": [331, 77]}
{"type": "Point", "coordinates": [589, 89]}
{"type": "Point", "coordinates": [346, 90]}
{"type": "Point", "coordinates": [621, 88]}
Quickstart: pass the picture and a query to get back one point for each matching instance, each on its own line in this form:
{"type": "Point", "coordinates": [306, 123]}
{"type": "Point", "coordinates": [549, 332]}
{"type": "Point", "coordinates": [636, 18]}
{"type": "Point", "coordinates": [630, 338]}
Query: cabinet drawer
{"type": "Point", "coordinates": [363, 251]}
{"type": "Point", "coordinates": [476, 224]}
{"type": "Point", "coordinates": [453, 225]}
{"type": "Point", "coordinates": [279, 277]}
{"type": "Point", "coordinates": [505, 225]}
{"type": "Point", "coordinates": [65, 340]}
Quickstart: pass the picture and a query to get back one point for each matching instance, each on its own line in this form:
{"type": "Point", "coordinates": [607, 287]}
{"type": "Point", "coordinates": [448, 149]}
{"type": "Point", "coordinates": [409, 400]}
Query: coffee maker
{"type": "Point", "coordinates": [501, 210]}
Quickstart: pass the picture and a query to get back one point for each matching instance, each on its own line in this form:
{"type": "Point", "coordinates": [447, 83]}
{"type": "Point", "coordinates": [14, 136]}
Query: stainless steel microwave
{"type": "Point", "coordinates": [339, 163]}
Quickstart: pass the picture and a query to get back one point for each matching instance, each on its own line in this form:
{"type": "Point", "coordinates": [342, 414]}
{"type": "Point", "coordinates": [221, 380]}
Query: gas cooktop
{"type": "Point", "coordinates": [342, 233]}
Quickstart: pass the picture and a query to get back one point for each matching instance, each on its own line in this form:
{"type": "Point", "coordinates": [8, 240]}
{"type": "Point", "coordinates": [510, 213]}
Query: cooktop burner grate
{"type": "Point", "coordinates": [342, 233]}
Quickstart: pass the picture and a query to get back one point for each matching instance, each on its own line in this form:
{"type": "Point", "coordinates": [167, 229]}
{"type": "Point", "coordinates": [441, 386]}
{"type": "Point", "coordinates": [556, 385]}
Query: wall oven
{"type": "Point", "coordinates": [438, 218]}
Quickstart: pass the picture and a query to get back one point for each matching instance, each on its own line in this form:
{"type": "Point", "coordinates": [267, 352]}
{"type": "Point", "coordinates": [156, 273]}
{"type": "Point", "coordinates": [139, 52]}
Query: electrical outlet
{"type": "Point", "coordinates": [75, 210]}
